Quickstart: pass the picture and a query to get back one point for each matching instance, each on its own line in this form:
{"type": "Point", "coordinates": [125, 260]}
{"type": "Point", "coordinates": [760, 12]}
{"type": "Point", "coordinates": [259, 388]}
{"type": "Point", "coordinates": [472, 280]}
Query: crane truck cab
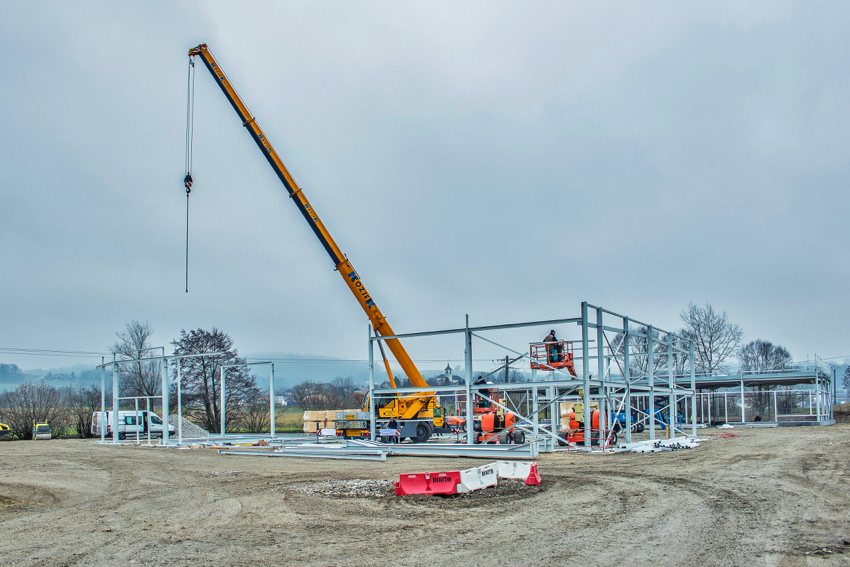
{"type": "Point", "coordinates": [131, 423]}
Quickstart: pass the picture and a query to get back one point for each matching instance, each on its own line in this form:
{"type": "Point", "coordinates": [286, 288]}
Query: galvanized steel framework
{"type": "Point", "coordinates": [611, 392]}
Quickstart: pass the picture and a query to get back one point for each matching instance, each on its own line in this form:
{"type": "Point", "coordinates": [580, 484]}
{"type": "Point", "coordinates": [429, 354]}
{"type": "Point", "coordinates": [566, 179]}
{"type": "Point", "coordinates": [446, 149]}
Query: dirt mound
{"type": "Point", "coordinates": [841, 413]}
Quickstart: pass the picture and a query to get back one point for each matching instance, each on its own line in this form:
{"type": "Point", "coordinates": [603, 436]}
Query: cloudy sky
{"type": "Point", "coordinates": [502, 159]}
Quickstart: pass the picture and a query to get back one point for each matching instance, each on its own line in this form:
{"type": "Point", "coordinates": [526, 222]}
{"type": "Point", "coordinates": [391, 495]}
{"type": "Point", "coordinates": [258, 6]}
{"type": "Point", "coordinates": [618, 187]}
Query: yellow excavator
{"type": "Point", "coordinates": [4, 430]}
{"type": "Point", "coordinates": [418, 415]}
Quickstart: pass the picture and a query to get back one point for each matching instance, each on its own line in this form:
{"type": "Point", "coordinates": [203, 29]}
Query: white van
{"type": "Point", "coordinates": [131, 423]}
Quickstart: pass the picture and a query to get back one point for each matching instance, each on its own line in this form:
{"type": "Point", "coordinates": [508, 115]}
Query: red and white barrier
{"type": "Point", "coordinates": [477, 478]}
{"type": "Point", "coordinates": [459, 482]}
{"type": "Point", "coordinates": [428, 483]}
{"type": "Point", "coordinates": [526, 471]}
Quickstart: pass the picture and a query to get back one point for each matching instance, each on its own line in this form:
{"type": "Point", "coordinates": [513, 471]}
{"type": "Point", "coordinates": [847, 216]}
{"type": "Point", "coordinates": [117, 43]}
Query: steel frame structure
{"type": "Point", "coordinates": [815, 405]}
{"type": "Point", "coordinates": [610, 391]}
{"type": "Point", "coordinates": [163, 360]}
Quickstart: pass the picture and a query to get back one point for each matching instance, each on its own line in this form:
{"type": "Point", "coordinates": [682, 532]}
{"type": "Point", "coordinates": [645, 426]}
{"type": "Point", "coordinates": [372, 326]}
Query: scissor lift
{"type": "Point", "coordinates": [552, 356]}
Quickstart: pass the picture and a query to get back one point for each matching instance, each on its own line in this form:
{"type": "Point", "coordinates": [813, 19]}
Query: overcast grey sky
{"type": "Point", "coordinates": [502, 159]}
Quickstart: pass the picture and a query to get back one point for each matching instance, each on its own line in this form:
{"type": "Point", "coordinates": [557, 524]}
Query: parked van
{"type": "Point", "coordinates": [131, 423]}
{"type": "Point", "coordinates": [41, 432]}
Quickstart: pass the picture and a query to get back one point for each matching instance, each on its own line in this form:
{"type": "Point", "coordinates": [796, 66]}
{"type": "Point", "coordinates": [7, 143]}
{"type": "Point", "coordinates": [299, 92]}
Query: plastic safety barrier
{"type": "Point", "coordinates": [428, 483]}
{"type": "Point", "coordinates": [477, 478]}
{"type": "Point", "coordinates": [526, 471]}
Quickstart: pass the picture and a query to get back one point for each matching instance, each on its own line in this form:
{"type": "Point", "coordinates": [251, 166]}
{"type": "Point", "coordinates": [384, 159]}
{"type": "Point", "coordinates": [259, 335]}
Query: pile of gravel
{"type": "Point", "coordinates": [190, 430]}
{"type": "Point", "coordinates": [348, 488]}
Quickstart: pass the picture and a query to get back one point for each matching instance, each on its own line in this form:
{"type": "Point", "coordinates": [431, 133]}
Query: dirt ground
{"type": "Point", "coordinates": [774, 497]}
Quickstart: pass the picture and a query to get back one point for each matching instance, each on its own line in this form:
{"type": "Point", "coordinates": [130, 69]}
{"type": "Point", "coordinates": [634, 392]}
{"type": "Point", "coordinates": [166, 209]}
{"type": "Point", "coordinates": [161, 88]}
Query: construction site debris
{"type": "Point", "coordinates": [354, 488]}
{"type": "Point", "coordinates": [663, 445]}
{"type": "Point", "coordinates": [190, 430]}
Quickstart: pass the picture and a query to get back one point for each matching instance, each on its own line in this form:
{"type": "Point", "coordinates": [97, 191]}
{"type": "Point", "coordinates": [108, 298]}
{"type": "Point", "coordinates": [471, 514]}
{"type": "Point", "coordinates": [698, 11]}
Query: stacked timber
{"type": "Point", "coordinates": [321, 419]}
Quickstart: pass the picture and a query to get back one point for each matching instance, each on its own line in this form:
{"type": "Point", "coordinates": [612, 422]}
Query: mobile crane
{"type": "Point", "coordinates": [419, 415]}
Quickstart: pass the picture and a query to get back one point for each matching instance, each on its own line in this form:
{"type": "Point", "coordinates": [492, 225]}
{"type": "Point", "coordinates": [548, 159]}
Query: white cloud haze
{"type": "Point", "coordinates": [506, 160]}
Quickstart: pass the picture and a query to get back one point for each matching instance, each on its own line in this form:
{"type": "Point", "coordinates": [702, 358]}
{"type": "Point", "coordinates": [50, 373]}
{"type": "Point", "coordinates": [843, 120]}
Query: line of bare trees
{"type": "Point", "coordinates": [716, 340]}
{"type": "Point", "coordinates": [341, 393]}
{"type": "Point", "coordinates": [67, 410]}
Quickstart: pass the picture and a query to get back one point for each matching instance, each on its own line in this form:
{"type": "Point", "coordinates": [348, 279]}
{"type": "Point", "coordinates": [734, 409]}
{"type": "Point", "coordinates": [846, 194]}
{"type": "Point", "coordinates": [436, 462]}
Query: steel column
{"type": "Point", "coordinates": [651, 376]}
{"type": "Point", "coordinates": [627, 379]}
{"type": "Point", "coordinates": [817, 387]}
{"type": "Point", "coordinates": [693, 391]}
{"type": "Point", "coordinates": [743, 402]}
{"type": "Point", "coordinates": [102, 421]}
{"type": "Point", "coordinates": [164, 438]}
{"type": "Point", "coordinates": [372, 417]}
{"type": "Point", "coordinates": [535, 406]}
{"type": "Point", "coordinates": [585, 375]}
{"type": "Point", "coordinates": [114, 401]}
{"type": "Point", "coordinates": [222, 401]}
{"type": "Point", "coordinates": [600, 372]}
{"type": "Point", "coordinates": [468, 363]}
{"type": "Point", "coordinates": [179, 401]}
{"type": "Point", "coordinates": [272, 416]}
{"type": "Point", "coordinates": [672, 413]}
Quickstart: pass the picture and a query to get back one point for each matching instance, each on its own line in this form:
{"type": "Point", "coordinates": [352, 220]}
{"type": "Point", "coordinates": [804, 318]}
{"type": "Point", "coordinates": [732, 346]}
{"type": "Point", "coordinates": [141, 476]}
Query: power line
{"type": "Point", "coordinates": [50, 352]}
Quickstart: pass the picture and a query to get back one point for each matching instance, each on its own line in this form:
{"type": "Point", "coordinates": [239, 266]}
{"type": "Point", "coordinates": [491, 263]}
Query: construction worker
{"type": "Point", "coordinates": [393, 424]}
{"type": "Point", "coordinates": [553, 347]}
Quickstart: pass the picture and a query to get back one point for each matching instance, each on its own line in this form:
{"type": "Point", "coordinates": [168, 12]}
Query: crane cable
{"type": "Point", "coordinates": [190, 137]}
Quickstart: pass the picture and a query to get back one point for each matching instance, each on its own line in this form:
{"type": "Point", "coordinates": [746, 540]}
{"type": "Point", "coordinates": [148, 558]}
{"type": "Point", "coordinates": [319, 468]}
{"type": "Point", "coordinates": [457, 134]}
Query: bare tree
{"type": "Point", "coordinates": [83, 402]}
{"type": "Point", "coordinates": [307, 395]}
{"type": "Point", "coordinates": [138, 378]}
{"type": "Point", "coordinates": [762, 356]}
{"type": "Point", "coordinates": [341, 393]}
{"type": "Point", "coordinates": [638, 348]}
{"type": "Point", "coordinates": [201, 378]}
{"type": "Point", "coordinates": [846, 378]}
{"type": "Point", "coordinates": [256, 415]}
{"type": "Point", "coordinates": [715, 337]}
{"type": "Point", "coordinates": [28, 404]}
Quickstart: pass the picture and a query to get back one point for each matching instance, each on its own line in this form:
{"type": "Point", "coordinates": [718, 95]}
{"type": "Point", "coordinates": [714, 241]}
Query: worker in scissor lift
{"type": "Point", "coordinates": [554, 349]}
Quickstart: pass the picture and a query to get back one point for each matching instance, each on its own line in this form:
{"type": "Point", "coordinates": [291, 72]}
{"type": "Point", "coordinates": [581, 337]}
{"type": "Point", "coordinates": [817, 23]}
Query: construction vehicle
{"type": "Point", "coordinates": [490, 422]}
{"type": "Point", "coordinates": [572, 430]}
{"type": "Point", "coordinates": [419, 415]}
{"type": "Point", "coordinates": [4, 430]}
{"type": "Point", "coordinates": [619, 421]}
{"type": "Point", "coordinates": [41, 431]}
{"type": "Point", "coordinates": [131, 423]}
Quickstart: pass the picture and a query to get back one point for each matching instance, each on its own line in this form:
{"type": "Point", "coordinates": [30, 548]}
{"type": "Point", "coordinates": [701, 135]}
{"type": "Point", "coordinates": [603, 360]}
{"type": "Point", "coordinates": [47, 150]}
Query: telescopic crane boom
{"type": "Point", "coordinates": [403, 407]}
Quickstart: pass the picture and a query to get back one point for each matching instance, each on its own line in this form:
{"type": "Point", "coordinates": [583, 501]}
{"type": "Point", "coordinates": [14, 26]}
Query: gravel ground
{"type": "Point", "coordinates": [772, 497]}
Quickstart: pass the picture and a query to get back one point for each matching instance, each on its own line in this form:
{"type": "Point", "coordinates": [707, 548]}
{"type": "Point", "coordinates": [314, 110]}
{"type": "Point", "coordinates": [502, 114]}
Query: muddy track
{"type": "Point", "coordinates": [768, 497]}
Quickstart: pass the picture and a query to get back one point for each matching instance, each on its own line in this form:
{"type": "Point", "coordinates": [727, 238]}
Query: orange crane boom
{"type": "Point", "coordinates": [409, 406]}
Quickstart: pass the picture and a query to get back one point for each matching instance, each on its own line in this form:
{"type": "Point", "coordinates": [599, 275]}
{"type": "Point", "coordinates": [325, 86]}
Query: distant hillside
{"type": "Point", "coordinates": [78, 375]}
